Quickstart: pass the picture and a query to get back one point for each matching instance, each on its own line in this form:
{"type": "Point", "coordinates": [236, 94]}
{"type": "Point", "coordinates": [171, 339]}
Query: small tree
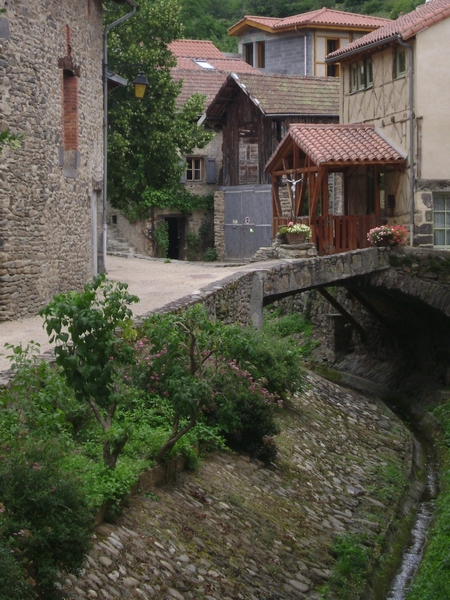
{"type": "Point", "coordinates": [91, 350]}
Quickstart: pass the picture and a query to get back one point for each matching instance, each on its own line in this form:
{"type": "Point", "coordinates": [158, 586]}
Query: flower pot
{"type": "Point", "coordinates": [296, 238]}
{"type": "Point", "coordinates": [383, 243]}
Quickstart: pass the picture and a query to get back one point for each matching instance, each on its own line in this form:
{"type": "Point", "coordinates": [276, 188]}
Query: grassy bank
{"type": "Point", "coordinates": [433, 579]}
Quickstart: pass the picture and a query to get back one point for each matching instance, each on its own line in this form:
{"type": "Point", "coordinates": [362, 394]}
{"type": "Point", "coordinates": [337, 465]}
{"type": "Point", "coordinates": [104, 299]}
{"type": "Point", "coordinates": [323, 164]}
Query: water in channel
{"type": "Point", "coordinates": [412, 554]}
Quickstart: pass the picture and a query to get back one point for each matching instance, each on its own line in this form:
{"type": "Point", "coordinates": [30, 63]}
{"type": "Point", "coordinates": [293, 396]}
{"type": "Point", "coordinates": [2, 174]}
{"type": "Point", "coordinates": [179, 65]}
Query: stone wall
{"type": "Point", "coordinates": [50, 83]}
{"type": "Point", "coordinates": [139, 235]}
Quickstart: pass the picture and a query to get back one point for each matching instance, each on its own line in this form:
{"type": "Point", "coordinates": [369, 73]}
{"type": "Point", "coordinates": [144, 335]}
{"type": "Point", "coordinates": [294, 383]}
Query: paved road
{"type": "Point", "coordinates": [155, 282]}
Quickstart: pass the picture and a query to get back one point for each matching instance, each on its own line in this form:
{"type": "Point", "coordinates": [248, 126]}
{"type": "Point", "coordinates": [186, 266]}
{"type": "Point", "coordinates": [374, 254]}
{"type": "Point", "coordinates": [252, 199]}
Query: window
{"type": "Point", "coordinates": [248, 53]}
{"type": "Point", "coordinates": [261, 54]}
{"type": "Point", "coordinates": [204, 64]}
{"type": "Point", "coordinates": [441, 219]}
{"type": "Point", "coordinates": [368, 72]}
{"type": "Point", "coordinates": [194, 169]}
{"type": "Point", "coordinates": [353, 77]}
{"type": "Point", "coordinates": [400, 62]}
{"type": "Point", "coordinates": [332, 45]}
{"type": "Point", "coordinates": [361, 75]}
{"type": "Point", "coordinates": [70, 110]}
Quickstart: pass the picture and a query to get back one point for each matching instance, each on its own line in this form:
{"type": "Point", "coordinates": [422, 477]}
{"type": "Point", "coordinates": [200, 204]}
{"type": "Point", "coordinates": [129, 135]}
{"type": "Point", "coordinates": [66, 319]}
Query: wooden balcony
{"type": "Point", "coordinates": [336, 233]}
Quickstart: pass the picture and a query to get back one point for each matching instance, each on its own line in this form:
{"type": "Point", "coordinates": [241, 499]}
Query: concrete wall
{"type": "Point", "coordinates": [49, 48]}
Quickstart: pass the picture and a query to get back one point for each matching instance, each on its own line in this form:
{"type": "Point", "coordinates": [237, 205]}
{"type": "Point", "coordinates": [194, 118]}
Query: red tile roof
{"type": "Point", "coordinates": [345, 144]}
{"type": "Point", "coordinates": [195, 49]}
{"type": "Point", "coordinates": [187, 52]}
{"type": "Point", "coordinates": [406, 26]}
{"type": "Point", "coordinates": [276, 94]}
{"type": "Point", "coordinates": [322, 17]}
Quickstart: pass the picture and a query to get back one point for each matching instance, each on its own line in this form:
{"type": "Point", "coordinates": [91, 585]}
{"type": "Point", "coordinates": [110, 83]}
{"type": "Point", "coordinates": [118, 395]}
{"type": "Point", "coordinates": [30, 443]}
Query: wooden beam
{"type": "Point", "coordinates": [276, 204]}
{"type": "Point", "coordinates": [341, 310]}
{"type": "Point", "coordinates": [373, 311]}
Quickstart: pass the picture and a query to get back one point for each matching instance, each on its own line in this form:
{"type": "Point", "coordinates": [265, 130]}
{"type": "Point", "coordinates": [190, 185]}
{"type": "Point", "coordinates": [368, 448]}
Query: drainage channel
{"type": "Point", "coordinates": [413, 552]}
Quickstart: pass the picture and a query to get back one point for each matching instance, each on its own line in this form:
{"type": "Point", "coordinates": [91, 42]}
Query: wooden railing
{"type": "Point", "coordinates": [336, 233]}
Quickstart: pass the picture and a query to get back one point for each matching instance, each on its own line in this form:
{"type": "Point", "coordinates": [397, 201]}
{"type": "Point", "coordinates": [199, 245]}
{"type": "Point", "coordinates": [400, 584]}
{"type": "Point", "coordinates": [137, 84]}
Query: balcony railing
{"type": "Point", "coordinates": [336, 233]}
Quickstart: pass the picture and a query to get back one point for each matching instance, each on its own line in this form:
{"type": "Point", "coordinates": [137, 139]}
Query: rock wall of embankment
{"type": "Point", "coordinates": [234, 529]}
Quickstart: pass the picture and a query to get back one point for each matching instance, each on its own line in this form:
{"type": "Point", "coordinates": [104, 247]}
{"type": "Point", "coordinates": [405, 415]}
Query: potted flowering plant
{"type": "Point", "coordinates": [296, 233]}
{"type": "Point", "coordinates": [388, 235]}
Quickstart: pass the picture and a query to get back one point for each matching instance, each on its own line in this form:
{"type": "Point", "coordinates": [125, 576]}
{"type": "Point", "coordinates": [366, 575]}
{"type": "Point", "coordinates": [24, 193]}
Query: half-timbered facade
{"type": "Point", "coordinates": [396, 78]}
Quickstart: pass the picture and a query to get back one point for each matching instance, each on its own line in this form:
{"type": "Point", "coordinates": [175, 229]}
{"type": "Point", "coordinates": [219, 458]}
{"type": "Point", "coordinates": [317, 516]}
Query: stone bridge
{"type": "Point", "coordinates": [396, 300]}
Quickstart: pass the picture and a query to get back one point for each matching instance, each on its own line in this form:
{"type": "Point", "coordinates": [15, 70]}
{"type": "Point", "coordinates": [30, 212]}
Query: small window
{"type": "Point", "coordinates": [332, 45]}
{"type": "Point", "coordinates": [361, 75]}
{"type": "Point", "coordinates": [353, 77]}
{"type": "Point", "coordinates": [248, 53]}
{"type": "Point", "coordinates": [194, 169]}
{"type": "Point", "coordinates": [261, 53]}
{"type": "Point", "coordinates": [361, 78]}
{"type": "Point", "coordinates": [368, 73]}
{"type": "Point", "coordinates": [400, 62]}
{"type": "Point", "coordinates": [441, 220]}
{"type": "Point", "coordinates": [204, 64]}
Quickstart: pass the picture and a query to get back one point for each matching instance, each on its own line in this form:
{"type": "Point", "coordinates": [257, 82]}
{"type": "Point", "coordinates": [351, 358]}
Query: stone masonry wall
{"type": "Point", "coordinates": [50, 83]}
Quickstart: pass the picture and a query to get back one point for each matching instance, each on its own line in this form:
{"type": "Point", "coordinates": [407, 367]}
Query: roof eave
{"type": "Point", "coordinates": [298, 114]}
{"type": "Point", "coordinates": [243, 26]}
{"type": "Point", "coordinates": [361, 49]}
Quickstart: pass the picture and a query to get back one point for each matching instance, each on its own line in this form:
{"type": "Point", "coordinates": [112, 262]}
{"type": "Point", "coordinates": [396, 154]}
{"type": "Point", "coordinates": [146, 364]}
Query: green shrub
{"type": "Point", "coordinates": [161, 237]}
{"type": "Point", "coordinates": [244, 411]}
{"type": "Point", "coordinates": [349, 575]}
{"type": "Point", "coordinates": [274, 361]}
{"type": "Point", "coordinates": [91, 352]}
{"type": "Point", "coordinates": [210, 255]}
{"type": "Point", "coordinates": [45, 522]}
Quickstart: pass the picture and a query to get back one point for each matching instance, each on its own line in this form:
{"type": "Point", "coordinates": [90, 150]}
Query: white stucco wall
{"type": "Point", "coordinates": [432, 101]}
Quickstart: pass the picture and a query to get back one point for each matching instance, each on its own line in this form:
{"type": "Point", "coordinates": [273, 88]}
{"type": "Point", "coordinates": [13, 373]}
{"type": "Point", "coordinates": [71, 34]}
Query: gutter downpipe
{"type": "Point", "coordinates": [134, 6]}
{"type": "Point", "coordinates": [411, 140]}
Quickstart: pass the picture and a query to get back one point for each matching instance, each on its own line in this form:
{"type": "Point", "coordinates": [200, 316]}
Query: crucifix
{"type": "Point", "coordinates": [293, 184]}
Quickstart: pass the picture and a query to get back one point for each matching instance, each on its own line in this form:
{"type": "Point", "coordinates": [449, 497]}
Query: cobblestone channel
{"type": "Point", "coordinates": [237, 530]}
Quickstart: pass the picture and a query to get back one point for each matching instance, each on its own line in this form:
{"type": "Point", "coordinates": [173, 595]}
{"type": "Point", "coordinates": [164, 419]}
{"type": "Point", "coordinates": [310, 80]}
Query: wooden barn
{"type": "Point", "coordinates": [253, 111]}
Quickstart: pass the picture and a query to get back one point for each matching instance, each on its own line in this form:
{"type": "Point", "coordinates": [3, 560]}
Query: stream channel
{"type": "Point", "coordinates": [414, 549]}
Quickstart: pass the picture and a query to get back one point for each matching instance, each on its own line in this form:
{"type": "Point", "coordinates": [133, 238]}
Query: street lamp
{"type": "Point", "coordinates": [140, 85]}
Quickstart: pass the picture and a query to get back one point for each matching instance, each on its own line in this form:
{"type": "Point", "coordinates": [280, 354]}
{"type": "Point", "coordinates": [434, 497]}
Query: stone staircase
{"type": "Point", "coordinates": [116, 244]}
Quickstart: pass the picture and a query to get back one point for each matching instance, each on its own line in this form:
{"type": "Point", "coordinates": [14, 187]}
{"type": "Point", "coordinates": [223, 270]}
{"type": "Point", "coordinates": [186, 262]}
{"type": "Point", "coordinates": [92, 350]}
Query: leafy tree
{"type": "Point", "coordinates": [90, 350]}
{"type": "Point", "coordinates": [147, 136]}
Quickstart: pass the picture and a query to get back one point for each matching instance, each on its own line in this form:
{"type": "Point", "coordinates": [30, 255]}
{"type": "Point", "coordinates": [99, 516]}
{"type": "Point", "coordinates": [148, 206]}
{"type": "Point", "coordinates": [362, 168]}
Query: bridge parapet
{"type": "Point", "coordinates": [295, 276]}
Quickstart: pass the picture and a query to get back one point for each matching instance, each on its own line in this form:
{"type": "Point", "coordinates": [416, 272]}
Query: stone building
{"type": "Point", "coordinates": [203, 69]}
{"type": "Point", "coordinates": [51, 93]}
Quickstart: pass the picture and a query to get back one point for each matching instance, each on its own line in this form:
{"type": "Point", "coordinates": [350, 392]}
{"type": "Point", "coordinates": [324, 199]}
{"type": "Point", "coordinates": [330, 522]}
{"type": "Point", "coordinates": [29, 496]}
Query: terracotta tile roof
{"type": "Point", "coordinates": [188, 51]}
{"type": "Point", "coordinates": [320, 17]}
{"type": "Point", "coordinates": [278, 94]}
{"type": "Point", "coordinates": [345, 144]}
{"type": "Point", "coordinates": [201, 81]}
{"type": "Point", "coordinates": [195, 49]}
{"type": "Point", "coordinates": [406, 26]}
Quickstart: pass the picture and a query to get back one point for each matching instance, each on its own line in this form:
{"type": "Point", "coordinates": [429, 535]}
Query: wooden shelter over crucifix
{"type": "Point", "coordinates": [336, 177]}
